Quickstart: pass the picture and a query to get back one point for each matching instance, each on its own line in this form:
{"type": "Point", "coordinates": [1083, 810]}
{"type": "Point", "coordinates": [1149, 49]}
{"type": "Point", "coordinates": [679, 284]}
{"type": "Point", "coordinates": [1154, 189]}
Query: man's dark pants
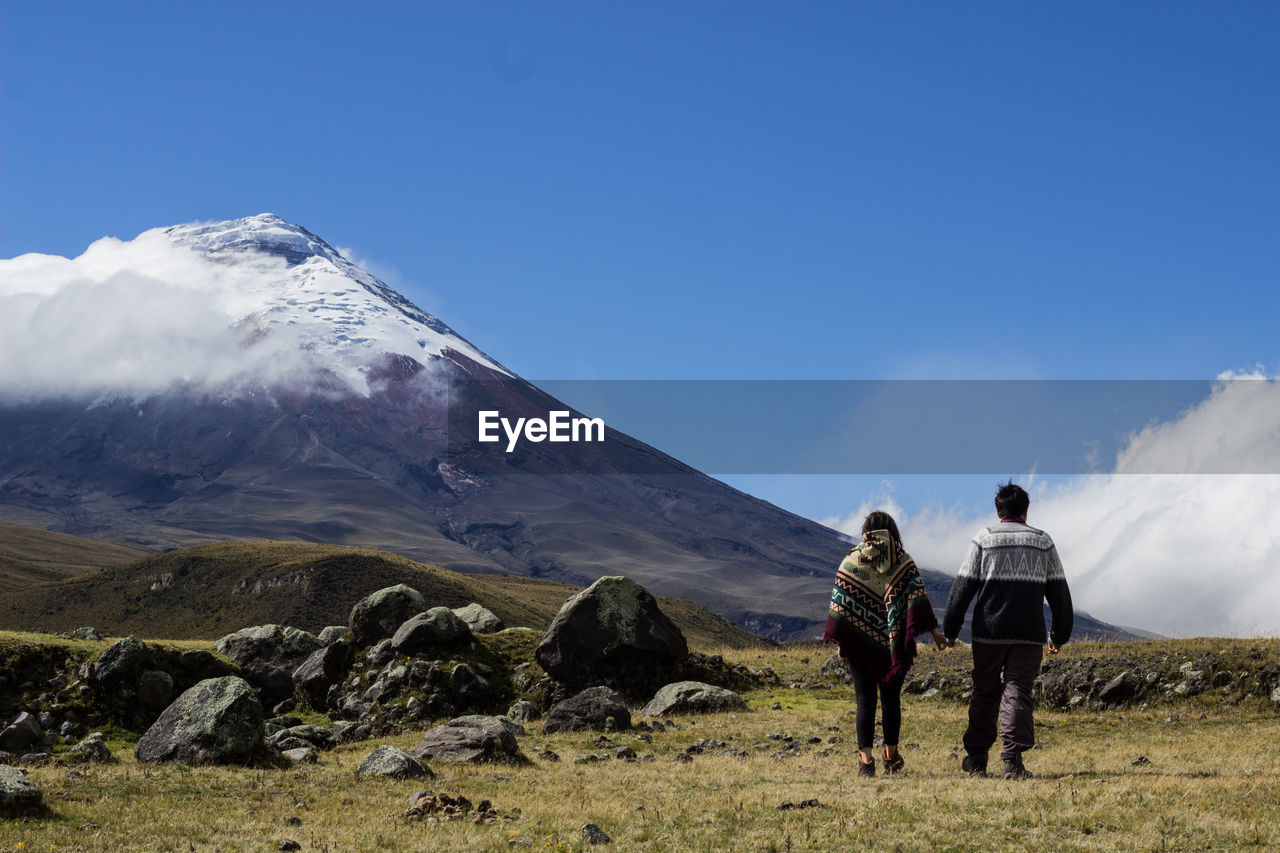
{"type": "Point", "coordinates": [1002, 679]}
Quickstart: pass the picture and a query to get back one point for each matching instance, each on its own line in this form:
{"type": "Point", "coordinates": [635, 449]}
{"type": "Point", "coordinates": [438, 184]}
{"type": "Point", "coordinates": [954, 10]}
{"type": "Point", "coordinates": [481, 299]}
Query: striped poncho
{"type": "Point", "coordinates": [878, 607]}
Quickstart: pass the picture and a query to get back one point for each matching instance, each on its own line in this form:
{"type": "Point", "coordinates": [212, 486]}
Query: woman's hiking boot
{"type": "Point", "coordinates": [895, 764]}
{"type": "Point", "coordinates": [866, 769]}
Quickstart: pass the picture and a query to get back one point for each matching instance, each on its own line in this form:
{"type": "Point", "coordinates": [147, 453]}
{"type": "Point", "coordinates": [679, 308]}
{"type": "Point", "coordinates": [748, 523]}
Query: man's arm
{"type": "Point", "coordinates": [1059, 597]}
{"type": "Point", "coordinates": [963, 590]}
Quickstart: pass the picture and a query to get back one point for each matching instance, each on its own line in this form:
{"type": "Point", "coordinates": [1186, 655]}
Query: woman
{"type": "Point", "coordinates": [878, 608]}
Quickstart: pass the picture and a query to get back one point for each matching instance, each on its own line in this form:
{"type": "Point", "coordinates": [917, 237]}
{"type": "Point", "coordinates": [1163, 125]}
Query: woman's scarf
{"type": "Point", "coordinates": [878, 607]}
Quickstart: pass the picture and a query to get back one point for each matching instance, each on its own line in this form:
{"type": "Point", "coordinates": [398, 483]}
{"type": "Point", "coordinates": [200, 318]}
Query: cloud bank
{"type": "Point", "coordinates": [134, 318]}
{"type": "Point", "coordinates": [1185, 554]}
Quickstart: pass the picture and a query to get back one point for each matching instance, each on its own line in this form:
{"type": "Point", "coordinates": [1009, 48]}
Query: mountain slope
{"type": "Point", "coordinates": [206, 591]}
{"type": "Point", "coordinates": [30, 556]}
{"type": "Point", "coordinates": [244, 380]}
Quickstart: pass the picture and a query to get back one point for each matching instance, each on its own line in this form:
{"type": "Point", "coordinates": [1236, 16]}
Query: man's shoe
{"type": "Point", "coordinates": [866, 769]}
{"type": "Point", "coordinates": [1013, 768]}
{"type": "Point", "coordinates": [974, 766]}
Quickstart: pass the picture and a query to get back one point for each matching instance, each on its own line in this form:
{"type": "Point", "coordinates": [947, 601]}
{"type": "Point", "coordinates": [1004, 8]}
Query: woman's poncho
{"type": "Point", "coordinates": [878, 608]}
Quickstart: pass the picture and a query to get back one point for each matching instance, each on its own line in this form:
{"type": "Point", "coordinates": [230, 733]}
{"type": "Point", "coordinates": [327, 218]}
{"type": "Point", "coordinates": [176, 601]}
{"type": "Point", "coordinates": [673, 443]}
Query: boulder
{"type": "Point", "coordinates": [334, 633]}
{"type": "Point", "coordinates": [86, 633]}
{"type": "Point", "coordinates": [480, 619]}
{"type": "Point", "coordinates": [121, 664]}
{"type": "Point", "coordinates": [522, 711]}
{"type": "Point", "coordinates": [18, 794]}
{"type": "Point", "coordinates": [1119, 690]}
{"type": "Point", "coordinates": [393, 762]}
{"type": "Point", "coordinates": [471, 739]}
{"type": "Point", "coordinates": [218, 721]}
{"type": "Point", "coordinates": [437, 626]}
{"type": "Point", "coordinates": [155, 688]}
{"type": "Point", "coordinates": [321, 670]}
{"type": "Point", "coordinates": [589, 710]}
{"type": "Point", "coordinates": [506, 722]}
{"type": "Point", "coordinates": [91, 750]}
{"type": "Point", "coordinates": [693, 697]}
{"type": "Point", "coordinates": [380, 614]}
{"type": "Point", "coordinates": [268, 655]}
{"type": "Point", "coordinates": [25, 731]}
{"type": "Point", "coordinates": [612, 633]}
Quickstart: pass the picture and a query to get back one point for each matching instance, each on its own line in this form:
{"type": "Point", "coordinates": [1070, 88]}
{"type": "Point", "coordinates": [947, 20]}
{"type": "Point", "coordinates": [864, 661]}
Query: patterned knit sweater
{"type": "Point", "coordinates": [1011, 569]}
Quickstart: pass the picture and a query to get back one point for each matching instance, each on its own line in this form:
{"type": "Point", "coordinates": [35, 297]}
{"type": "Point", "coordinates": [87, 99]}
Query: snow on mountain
{"type": "Point", "coordinates": [253, 300]}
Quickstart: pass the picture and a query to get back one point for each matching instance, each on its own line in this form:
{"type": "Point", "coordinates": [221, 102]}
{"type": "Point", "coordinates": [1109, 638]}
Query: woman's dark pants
{"type": "Point", "coordinates": [866, 688]}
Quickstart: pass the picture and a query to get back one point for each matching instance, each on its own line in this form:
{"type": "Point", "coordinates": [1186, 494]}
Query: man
{"type": "Point", "coordinates": [1011, 569]}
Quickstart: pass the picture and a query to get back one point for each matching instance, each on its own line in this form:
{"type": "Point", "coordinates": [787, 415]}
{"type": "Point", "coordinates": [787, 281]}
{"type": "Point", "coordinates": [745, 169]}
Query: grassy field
{"type": "Point", "coordinates": [1205, 778]}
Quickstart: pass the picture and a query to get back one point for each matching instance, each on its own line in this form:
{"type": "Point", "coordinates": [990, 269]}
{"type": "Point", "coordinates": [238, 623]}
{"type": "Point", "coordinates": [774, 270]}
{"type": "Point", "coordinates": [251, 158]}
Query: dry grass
{"type": "Point", "coordinates": [1210, 785]}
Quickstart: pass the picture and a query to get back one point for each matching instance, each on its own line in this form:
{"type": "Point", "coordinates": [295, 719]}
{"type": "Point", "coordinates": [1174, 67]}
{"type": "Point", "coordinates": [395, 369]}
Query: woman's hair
{"type": "Point", "coordinates": [881, 520]}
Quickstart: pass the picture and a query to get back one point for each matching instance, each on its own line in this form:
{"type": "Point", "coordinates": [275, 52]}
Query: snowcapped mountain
{"type": "Point", "coordinates": [245, 380]}
{"type": "Point", "coordinates": [244, 301]}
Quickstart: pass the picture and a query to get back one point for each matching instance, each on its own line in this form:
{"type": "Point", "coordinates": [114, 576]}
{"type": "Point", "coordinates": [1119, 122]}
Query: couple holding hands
{"type": "Point", "coordinates": [879, 607]}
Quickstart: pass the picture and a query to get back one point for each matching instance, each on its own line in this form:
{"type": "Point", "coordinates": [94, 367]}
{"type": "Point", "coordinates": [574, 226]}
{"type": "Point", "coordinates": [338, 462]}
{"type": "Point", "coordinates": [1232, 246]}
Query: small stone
{"type": "Point", "coordinates": [593, 834]}
{"type": "Point", "coordinates": [289, 844]}
{"type": "Point", "coordinates": [294, 820]}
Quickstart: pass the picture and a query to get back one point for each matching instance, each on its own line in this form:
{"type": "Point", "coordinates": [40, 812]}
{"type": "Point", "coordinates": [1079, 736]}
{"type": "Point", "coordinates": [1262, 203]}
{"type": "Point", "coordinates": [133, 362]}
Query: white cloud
{"type": "Point", "coordinates": [1183, 554]}
{"type": "Point", "coordinates": [98, 323]}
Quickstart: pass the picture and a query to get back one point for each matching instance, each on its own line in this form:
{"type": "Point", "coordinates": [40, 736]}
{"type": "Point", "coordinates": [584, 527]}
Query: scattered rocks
{"type": "Point", "coordinates": [436, 627]}
{"type": "Point", "coordinates": [471, 739]}
{"type": "Point", "coordinates": [321, 670]}
{"type": "Point", "coordinates": [268, 656]}
{"type": "Point", "coordinates": [1119, 690]}
{"type": "Point", "coordinates": [803, 804]}
{"type": "Point", "coordinates": [218, 721]}
{"type": "Point", "coordinates": [18, 794]}
{"type": "Point", "coordinates": [692, 697]}
{"type": "Point", "coordinates": [301, 755]}
{"type": "Point", "coordinates": [380, 614]}
{"type": "Point", "coordinates": [589, 710]}
{"type": "Point", "coordinates": [440, 808]}
{"type": "Point", "coordinates": [393, 762]}
{"type": "Point", "coordinates": [23, 732]}
{"type": "Point", "coordinates": [612, 633]}
{"type": "Point", "coordinates": [593, 834]}
{"type": "Point", "coordinates": [479, 619]}
{"type": "Point", "coordinates": [121, 664]}
{"type": "Point", "coordinates": [155, 688]}
{"type": "Point", "coordinates": [92, 750]}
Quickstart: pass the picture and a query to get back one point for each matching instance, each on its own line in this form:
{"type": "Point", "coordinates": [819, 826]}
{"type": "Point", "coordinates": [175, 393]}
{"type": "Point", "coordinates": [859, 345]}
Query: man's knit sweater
{"type": "Point", "coordinates": [1012, 568]}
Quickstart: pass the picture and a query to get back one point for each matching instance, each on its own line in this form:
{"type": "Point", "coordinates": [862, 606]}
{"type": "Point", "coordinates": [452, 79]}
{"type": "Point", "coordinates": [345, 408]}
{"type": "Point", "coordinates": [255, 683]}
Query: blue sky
{"type": "Point", "coordinates": [702, 190]}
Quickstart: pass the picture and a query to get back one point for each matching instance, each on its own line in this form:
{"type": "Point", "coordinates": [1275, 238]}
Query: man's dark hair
{"type": "Point", "coordinates": [881, 520]}
{"type": "Point", "coordinates": [1012, 500]}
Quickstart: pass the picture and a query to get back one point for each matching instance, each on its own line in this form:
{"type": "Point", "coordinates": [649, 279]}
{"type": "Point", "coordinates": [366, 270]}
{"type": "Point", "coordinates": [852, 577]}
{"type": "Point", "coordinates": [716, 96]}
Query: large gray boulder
{"type": "Point", "coordinates": [120, 666]}
{"type": "Point", "coordinates": [612, 633]}
{"type": "Point", "coordinates": [18, 794]}
{"type": "Point", "coordinates": [436, 627]}
{"type": "Point", "coordinates": [479, 618]}
{"type": "Point", "coordinates": [392, 762]}
{"type": "Point", "coordinates": [268, 655]}
{"type": "Point", "coordinates": [692, 697]}
{"type": "Point", "coordinates": [380, 614]}
{"type": "Point", "coordinates": [23, 732]}
{"type": "Point", "coordinates": [589, 710]}
{"type": "Point", "coordinates": [218, 721]}
{"type": "Point", "coordinates": [472, 739]}
{"type": "Point", "coordinates": [321, 670]}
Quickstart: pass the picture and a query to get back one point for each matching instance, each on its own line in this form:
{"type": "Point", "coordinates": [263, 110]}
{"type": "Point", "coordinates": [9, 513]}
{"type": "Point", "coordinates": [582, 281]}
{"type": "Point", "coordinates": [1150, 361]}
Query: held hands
{"type": "Point", "coordinates": [1053, 650]}
{"type": "Point", "coordinates": [940, 640]}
